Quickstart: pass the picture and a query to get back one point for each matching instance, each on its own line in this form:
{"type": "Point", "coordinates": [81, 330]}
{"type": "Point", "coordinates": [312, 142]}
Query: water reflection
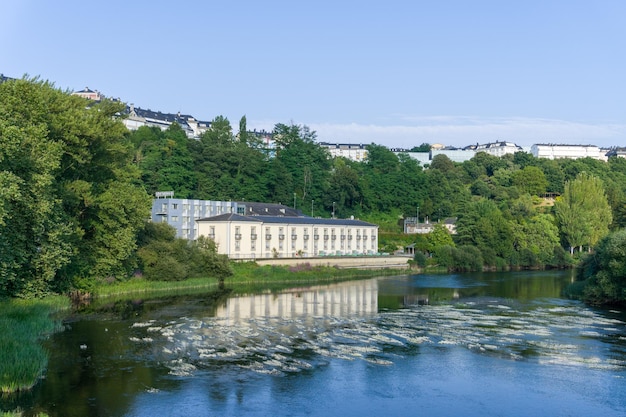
{"type": "Point", "coordinates": [358, 298]}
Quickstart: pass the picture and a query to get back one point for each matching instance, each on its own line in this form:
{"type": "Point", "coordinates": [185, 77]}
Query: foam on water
{"type": "Point", "coordinates": [568, 335]}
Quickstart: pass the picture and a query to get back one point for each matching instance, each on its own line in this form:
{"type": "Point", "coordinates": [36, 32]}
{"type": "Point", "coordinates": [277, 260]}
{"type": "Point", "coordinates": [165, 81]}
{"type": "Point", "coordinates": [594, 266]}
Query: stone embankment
{"type": "Point", "coordinates": [360, 262]}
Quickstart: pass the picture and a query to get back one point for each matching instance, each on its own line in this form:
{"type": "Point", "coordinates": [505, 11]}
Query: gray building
{"type": "Point", "coordinates": [183, 214]}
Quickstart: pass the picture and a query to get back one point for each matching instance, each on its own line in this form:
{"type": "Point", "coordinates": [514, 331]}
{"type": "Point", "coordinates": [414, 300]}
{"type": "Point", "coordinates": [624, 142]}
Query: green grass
{"type": "Point", "coordinates": [246, 275]}
{"type": "Point", "coordinates": [23, 323]}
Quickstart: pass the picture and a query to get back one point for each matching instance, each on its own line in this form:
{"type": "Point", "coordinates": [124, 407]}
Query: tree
{"type": "Point", "coordinates": [439, 236]}
{"type": "Point", "coordinates": [424, 147]}
{"type": "Point", "coordinates": [344, 188]}
{"type": "Point", "coordinates": [539, 236]}
{"type": "Point", "coordinates": [71, 202]}
{"type": "Point", "coordinates": [583, 212]}
{"type": "Point", "coordinates": [604, 271]}
{"type": "Point", "coordinates": [300, 166]}
{"type": "Point", "coordinates": [530, 180]}
{"type": "Point", "coordinates": [482, 224]}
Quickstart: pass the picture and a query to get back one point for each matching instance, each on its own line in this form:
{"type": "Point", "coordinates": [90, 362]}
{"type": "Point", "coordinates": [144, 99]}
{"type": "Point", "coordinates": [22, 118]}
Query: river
{"type": "Point", "coordinates": [490, 344]}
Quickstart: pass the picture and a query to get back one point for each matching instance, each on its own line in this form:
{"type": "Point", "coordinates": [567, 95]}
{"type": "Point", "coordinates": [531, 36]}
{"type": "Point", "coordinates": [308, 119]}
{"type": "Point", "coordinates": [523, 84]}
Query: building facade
{"type": "Point", "coordinates": [553, 151]}
{"type": "Point", "coordinates": [138, 117]}
{"type": "Point", "coordinates": [498, 148]}
{"type": "Point", "coordinates": [354, 152]}
{"type": "Point", "coordinates": [182, 214]}
{"type": "Point", "coordinates": [255, 237]}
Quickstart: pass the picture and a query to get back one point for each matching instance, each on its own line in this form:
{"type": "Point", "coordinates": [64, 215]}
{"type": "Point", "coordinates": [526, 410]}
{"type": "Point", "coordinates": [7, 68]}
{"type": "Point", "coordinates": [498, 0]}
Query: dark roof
{"type": "Point", "coordinates": [268, 209]}
{"type": "Point", "coordinates": [4, 78]}
{"type": "Point", "coordinates": [167, 117]}
{"type": "Point", "coordinates": [285, 219]}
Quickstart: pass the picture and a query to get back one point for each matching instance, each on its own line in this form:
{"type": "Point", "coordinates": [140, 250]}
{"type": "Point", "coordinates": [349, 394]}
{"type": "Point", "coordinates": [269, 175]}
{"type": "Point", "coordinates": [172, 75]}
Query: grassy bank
{"type": "Point", "coordinates": [245, 274]}
{"type": "Point", "coordinates": [23, 324]}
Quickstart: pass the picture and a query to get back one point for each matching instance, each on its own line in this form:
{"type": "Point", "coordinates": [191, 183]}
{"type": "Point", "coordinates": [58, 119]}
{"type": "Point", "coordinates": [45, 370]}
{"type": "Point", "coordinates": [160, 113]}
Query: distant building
{"type": "Point", "coordinates": [89, 94]}
{"type": "Point", "coordinates": [422, 157]}
{"type": "Point", "coordinates": [138, 117]}
{"type": "Point", "coordinates": [617, 152]}
{"type": "Point", "coordinates": [454, 154]}
{"type": "Point", "coordinates": [354, 152]}
{"type": "Point", "coordinates": [496, 148]}
{"type": "Point", "coordinates": [411, 226]}
{"type": "Point", "coordinates": [4, 78]}
{"type": "Point", "coordinates": [553, 151]}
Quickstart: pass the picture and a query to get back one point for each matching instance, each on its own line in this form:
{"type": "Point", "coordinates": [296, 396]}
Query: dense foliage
{"type": "Point", "coordinates": [75, 190]}
{"type": "Point", "coordinates": [603, 272]}
{"type": "Point", "coordinates": [70, 200]}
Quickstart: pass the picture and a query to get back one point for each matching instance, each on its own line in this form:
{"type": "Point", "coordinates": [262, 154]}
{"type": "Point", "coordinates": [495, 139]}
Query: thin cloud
{"type": "Point", "coordinates": [465, 130]}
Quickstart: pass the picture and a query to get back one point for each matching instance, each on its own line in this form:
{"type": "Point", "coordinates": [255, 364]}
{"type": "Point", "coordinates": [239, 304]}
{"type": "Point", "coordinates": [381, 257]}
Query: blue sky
{"type": "Point", "coordinates": [396, 73]}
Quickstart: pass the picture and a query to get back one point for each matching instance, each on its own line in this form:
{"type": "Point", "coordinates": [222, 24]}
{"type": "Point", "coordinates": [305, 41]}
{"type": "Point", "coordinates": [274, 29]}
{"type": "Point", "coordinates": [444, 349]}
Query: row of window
{"type": "Point", "coordinates": [349, 240]}
{"type": "Point", "coordinates": [198, 211]}
{"type": "Point", "coordinates": [345, 234]}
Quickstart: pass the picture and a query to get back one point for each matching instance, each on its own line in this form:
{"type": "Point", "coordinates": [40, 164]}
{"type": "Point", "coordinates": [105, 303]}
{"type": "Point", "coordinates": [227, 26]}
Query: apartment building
{"type": "Point", "coordinates": [253, 237]}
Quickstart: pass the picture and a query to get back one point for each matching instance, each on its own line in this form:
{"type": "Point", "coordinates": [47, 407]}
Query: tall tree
{"type": "Point", "coordinates": [583, 212]}
{"type": "Point", "coordinates": [71, 204]}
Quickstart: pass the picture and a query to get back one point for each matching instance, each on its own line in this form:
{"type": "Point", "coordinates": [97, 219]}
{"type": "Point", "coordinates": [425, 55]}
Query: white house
{"type": "Point", "coordinates": [252, 237]}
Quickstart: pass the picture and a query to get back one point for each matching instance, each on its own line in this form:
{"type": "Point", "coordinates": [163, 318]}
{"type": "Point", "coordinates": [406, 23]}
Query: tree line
{"type": "Point", "coordinates": [76, 187]}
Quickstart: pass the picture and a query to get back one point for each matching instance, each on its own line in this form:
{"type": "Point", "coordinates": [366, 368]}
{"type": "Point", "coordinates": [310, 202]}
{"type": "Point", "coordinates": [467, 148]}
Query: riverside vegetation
{"type": "Point", "coordinates": [76, 186]}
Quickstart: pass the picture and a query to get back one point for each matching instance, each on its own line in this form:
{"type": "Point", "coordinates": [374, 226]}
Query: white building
{"type": "Point", "coordinates": [552, 151]}
{"type": "Point", "coordinates": [138, 117]}
{"type": "Point", "coordinates": [252, 237]}
{"type": "Point", "coordinates": [498, 148]}
{"type": "Point", "coordinates": [354, 152]}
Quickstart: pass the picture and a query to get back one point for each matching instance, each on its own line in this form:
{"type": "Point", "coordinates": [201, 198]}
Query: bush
{"type": "Point", "coordinates": [420, 259]}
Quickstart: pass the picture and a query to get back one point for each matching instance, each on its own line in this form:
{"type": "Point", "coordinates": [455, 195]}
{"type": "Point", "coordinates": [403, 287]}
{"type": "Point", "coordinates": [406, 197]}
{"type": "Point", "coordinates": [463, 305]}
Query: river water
{"type": "Point", "coordinates": [492, 344]}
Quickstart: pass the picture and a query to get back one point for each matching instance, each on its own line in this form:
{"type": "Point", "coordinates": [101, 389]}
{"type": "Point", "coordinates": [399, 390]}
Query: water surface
{"type": "Point", "coordinates": [498, 344]}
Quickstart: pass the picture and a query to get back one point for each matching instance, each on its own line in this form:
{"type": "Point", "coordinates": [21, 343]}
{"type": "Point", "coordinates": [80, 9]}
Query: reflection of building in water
{"type": "Point", "coordinates": [343, 299]}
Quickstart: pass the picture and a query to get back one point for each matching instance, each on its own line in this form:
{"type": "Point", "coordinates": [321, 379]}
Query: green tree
{"type": "Point", "coordinates": [424, 147]}
{"type": "Point", "coordinates": [439, 236]}
{"type": "Point", "coordinates": [583, 212]}
{"type": "Point", "coordinates": [530, 180]}
{"type": "Point", "coordinates": [539, 236]}
{"type": "Point", "coordinates": [71, 202]}
{"type": "Point", "coordinates": [300, 166]}
{"type": "Point", "coordinates": [482, 224]}
{"type": "Point", "coordinates": [604, 271]}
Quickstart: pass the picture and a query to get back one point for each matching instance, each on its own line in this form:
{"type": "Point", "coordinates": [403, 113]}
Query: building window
{"type": "Point", "coordinates": [237, 245]}
{"type": "Point", "coordinates": [253, 245]}
{"type": "Point", "coordinates": [212, 232]}
{"type": "Point", "coordinates": [174, 219]}
{"type": "Point", "coordinates": [175, 206]}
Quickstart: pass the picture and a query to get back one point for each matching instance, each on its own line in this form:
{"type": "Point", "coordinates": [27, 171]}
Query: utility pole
{"type": "Point", "coordinates": [417, 219]}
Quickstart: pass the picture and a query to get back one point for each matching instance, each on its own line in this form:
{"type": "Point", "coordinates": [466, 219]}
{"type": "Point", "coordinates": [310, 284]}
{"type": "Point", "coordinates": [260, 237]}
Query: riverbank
{"type": "Point", "coordinates": [23, 324]}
